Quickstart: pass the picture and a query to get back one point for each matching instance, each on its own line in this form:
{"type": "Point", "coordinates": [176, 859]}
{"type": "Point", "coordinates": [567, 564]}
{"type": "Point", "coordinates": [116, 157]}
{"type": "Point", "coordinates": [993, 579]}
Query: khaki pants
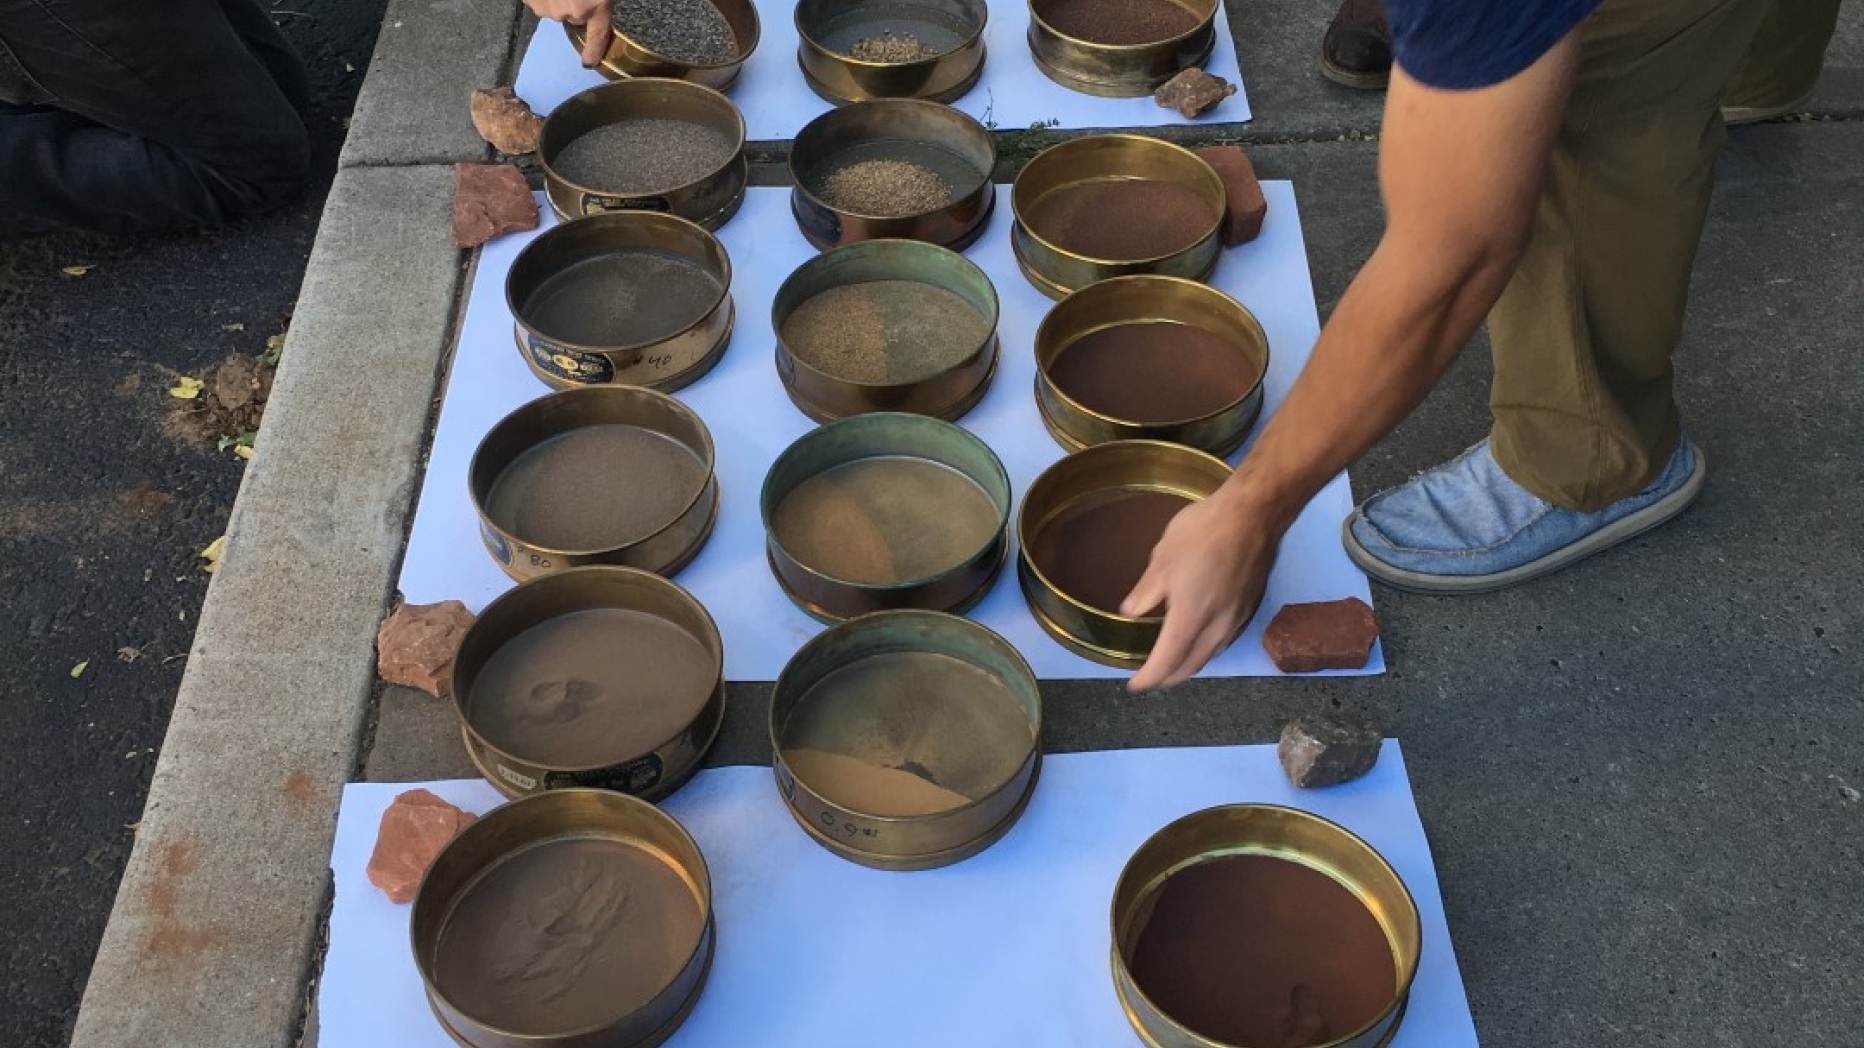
{"type": "Point", "coordinates": [1583, 333]}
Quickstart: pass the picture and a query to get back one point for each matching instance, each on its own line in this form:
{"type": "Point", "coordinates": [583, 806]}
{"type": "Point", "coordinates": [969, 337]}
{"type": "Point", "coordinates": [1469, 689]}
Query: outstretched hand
{"type": "Point", "coordinates": [1208, 572]}
{"type": "Point", "coordinates": [595, 16]}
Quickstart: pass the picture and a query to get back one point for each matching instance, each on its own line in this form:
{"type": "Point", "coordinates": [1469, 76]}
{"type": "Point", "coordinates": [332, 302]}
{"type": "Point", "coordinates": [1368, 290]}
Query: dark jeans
{"type": "Point", "coordinates": [130, 116]}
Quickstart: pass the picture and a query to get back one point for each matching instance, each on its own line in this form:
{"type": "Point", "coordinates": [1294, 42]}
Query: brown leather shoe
{"type": "Point", "coordinates": [1357, 50]}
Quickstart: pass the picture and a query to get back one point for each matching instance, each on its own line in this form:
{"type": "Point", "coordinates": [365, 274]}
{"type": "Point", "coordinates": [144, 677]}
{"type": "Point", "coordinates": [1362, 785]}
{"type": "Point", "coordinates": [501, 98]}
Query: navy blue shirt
{"type": "Point", "coordinates": [1462, 44]}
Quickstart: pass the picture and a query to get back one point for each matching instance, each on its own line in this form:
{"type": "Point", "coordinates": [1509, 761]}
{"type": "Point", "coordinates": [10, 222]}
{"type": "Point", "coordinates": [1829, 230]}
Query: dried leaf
{"type": "Point", "coordinates": [129, 654]}
{"type": "Point", "coordinates": [244, 451]}
{"type": "Point", "coordinates": [186, 388]}
{"type": "Point", "coordinates": [77, 271]}
{"type": "Point", "coordinates": [78, 670]}
{"type": "Point", "coordinates": [212, 553]}
{"type": "Point", "coordinates": [274, 348]}
{"type": "Point", "coordinates": [233, 327]}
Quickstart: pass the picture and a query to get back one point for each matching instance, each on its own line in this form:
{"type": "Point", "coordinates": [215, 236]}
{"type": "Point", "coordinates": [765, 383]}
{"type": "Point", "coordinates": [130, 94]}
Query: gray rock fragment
{"type": "Point", "coordinates": [1320, 750]}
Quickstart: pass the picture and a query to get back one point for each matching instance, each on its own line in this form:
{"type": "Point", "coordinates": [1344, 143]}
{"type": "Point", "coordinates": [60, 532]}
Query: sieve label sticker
{"type": "Point", "coordinates": [496, 543]}
{"type": "Point", "coordinates": [595, 204]}
{"type": "Point", "coordinates": [635, 777]}
{"type": "Point", "coordinates": [518, 779]}
{"type": "Point", "coordinates": [569, 365]}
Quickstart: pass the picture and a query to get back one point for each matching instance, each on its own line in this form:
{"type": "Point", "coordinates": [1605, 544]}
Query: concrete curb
{"type": "Point", "coordinates": [429, 57]}
{"type": "Point", "coordinates": [217, 919]}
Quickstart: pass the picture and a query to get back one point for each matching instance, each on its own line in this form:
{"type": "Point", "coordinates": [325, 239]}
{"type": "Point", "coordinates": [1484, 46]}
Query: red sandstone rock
{"type": "Point", "coordinates": [415, 645]}
{"type": "Point", "coordinates": [414, 830]}
{"type": "Point", "coordinates": [1193, 92]}
{"type": "Point", "coordinates": [1326, 751]}
{"type": "Point", "coordinates": [1242, 220]}
{"type": "Point", "coordinates": [490, 200]}
{"type": "Point", "coordinates": [1330, 635]}
{"type": "Point", "coordinates": [505, 121]}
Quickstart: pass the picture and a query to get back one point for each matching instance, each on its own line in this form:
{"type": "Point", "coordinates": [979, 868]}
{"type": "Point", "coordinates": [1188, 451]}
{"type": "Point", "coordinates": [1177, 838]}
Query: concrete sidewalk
{"type": "Point", "coordinates": [1641, 777]}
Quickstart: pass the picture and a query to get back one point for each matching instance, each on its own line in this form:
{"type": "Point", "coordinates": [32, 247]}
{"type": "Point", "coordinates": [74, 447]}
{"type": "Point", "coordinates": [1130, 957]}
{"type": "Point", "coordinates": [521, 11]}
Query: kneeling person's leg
{"type": "Point", "coordinates": [132, 117]}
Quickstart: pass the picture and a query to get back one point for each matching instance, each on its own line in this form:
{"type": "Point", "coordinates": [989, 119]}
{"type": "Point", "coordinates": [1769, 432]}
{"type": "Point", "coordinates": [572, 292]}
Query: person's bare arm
{"type": "Point", "coordinates": [595, 16]}
{"type": "Point", "coordinates": [1461, 173]}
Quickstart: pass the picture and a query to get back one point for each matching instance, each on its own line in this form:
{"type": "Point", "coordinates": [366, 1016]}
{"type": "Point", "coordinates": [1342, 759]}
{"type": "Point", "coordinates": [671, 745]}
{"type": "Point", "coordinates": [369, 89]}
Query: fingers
{"type": "Point", "coordinates": [596, 33]}
{"type": "Point", "coordinates": [1148, 593]}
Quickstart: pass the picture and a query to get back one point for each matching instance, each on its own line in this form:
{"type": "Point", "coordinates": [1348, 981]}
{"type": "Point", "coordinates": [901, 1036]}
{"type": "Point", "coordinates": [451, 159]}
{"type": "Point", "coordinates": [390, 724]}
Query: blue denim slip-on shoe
{"type": "Point", "coordinates": [1465, 527]}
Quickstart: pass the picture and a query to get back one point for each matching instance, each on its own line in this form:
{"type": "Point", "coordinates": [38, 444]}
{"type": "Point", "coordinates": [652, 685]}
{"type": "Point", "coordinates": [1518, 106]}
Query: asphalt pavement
{"type": "Point", "coordinates": [105, 502]}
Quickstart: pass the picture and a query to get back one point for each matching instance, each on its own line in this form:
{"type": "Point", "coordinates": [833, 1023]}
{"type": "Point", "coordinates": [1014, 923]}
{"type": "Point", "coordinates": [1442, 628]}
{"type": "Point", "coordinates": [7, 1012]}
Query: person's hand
{"type": "Point", "coordinates": [1208, 571]}
{"type": "Point", "coordinates": [595, 16]}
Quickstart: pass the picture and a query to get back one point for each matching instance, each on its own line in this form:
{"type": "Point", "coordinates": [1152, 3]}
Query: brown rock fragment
{"type": "Point", "coordinates": [490, 200]}
{"type": "Point", "coordinates": [414, 830]}
{"type": "Point", "coordinates": [504, 120]}
{"type": "Point", "coordinates": [1329, 635]}
{"type": "Point", "coordinates": [1242, 219]}
{"type": "Point", "coordinates": [1193, 92]}
{"type": "Point", "coordinates": [415, 645]}
{"type": "Point", "coordinates": [1326, 751]}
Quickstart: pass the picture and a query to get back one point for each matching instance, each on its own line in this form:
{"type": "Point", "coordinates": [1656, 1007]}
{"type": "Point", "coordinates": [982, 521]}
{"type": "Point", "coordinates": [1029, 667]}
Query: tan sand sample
{"type": "Point", "coordinates": [566, 935]}
{"type": "Point", "coordinates": [884, 520]}
{"type": "Point", "coordinates": [591, 688]}
{"type": "Point", "coordinates": [596, 488]}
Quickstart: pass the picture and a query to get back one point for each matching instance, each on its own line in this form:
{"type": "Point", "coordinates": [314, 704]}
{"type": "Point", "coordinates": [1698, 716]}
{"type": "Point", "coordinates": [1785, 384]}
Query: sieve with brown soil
{"type": "Point", "coordinates": [884, 332]}
{"type": "Point", "coordinates": [1119, 23]}
{"type": "Point", "coordinates": [1262, 951]}
{"type": "Point", "coordinates": [1121, 219]}
{"type": "Point", "coordinates": [1096, 548]}
{"type": "Point", "coordinates": [1152, 373]}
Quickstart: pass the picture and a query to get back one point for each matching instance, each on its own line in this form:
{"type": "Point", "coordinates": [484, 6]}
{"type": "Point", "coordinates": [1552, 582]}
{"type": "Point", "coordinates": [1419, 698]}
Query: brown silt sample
{"type": "Point", "coordinates": [1121, 219]}
{"type": "Point", "coordinates": [639, 157]}
{"type": "Point", "coordinates": [596, 488]}
{"type": "Point", "coordinates": [622, 298]}
{"type": "Point", "coordinates": [415, 645]}
{"type": "Point", "coordinates": [505, 121]}
{"type": "Point", "coordinates": [1329, 635]}
{"type": "Point", "coordinates": [1321, 750]}
{"type": "Point", "coordinates": [1261, 951]}
{"type": "Point", "coordinates": [1154, 373]}
{"type": "Point", "coordinates": [1193, 92]}
{"type": "Point", "coordinates": [416, 826]}
{"type": "Point", "coordinates": [591, 688]}
{"type": "Point", "coordinates": [490, 200]}
{"type": "Point", "coordinates": [884, 520]}
{"type": "Point", "coordinates": [876, 789]}
{"type": "Point", "coordinates": [565, 936]}
{"type": "Point", "coordinates": [884, 332]}
{"type": "Point", "coordinates": [1118, 22]}
{"type": "Point", "coordinates": [1246, 207]}
{"type": "Point", "coordinates": [885, 188]}
{"type": "Point", "coordinates": [1096, 548]}
{"type": "Point", "coordinates": [927, 716]}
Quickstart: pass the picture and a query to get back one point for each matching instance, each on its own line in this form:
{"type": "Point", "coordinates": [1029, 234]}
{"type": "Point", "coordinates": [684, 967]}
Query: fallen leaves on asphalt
{"type": "Point", "coordinates": [212, 554]}
{"type": "Point", "coordinates": [186, 387]}
{"type": "Point", "coordinates": [77, 271]}
{"type": "Point", "coordinates": [78, 670]}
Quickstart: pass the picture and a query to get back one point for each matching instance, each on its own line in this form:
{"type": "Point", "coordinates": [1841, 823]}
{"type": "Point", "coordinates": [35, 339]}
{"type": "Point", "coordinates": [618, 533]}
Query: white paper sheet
{"type": "Point", "coordinates": [1007, 948]}
{"type": "Point", "coordinates": [752, 421]}
{"type": "Point", "coordinates": [1012, 93]}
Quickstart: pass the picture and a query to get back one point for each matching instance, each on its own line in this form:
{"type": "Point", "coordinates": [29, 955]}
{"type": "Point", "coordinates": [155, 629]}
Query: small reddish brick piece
{"type": "Point", "coordinates": [1247, 208]}
{"type": "Point", "coordinates": [415, 645]}
{"type": "Point", "coordinates": [490, 200]}
{"type": "Point", "coordinates": [1193, 92]}
{"type": "Point", "coordinates": [1330, 635]}
{"type": "Point", "coordinates": [414, 830]}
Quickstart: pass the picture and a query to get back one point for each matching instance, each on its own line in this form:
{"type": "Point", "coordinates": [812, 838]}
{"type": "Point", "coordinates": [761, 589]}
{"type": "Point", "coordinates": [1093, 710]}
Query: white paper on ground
{"type": "Point", "coordinates": [1012, 93]}
{"type": "Point", "coordinates": [752, 421]}
{"type": "Point", "coordinates": [1009, 947]}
